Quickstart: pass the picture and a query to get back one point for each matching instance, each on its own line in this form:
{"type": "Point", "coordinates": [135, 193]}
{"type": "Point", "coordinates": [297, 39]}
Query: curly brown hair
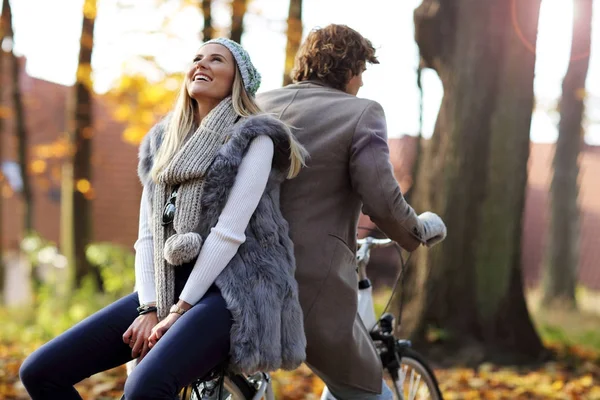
{"type": "Point", "coordinates": [333, 55]}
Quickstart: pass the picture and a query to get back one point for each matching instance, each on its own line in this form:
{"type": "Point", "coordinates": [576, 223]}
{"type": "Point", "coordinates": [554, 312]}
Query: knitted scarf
{"type": "Point", "coordinates": [178, 243]}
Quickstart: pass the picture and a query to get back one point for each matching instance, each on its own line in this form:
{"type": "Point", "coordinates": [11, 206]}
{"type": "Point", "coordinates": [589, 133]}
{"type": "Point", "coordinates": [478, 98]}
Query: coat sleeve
{"type": "Point", "coordinates": [373, 179]}
{"type": "Point", "coordinates": [144, 254]}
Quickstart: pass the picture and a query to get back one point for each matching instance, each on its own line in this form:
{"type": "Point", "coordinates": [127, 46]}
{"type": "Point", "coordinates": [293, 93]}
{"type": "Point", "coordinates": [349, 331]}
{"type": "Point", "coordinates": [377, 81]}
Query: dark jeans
{"type": "Point", "coordinates": [195, 344]}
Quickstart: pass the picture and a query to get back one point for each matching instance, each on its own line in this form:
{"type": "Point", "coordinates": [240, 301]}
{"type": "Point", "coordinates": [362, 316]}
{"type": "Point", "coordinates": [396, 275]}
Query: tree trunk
{"type": "Point", "coordinates": [22, 148]}
{"type": "Point", "coordinates": [294, 36]}
{"type": "Point", "coordinates": [77, 190]}
{"type": "Point", "coordinates": [238, 11]}
{"type": "Point", "coordinates": [207, 31]}
{"type": "Point", "coordinates": [2, 179]}
{"type": "Point", "coordinates": [562, 258]}
{"type": "Point", "coordinates": [20, 128]}
{"type": "Point", "coordinates": [474, 174]}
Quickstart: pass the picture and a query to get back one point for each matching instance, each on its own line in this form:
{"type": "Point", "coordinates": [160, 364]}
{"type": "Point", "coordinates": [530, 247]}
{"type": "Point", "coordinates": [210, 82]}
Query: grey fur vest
{"type": "Point", "coordinates": [258, 284]}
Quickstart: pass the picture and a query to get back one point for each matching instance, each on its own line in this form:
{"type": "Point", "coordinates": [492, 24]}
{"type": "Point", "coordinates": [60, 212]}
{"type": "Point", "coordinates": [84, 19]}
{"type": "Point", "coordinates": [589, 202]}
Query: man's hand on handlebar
{"type": "Point", "coordinates": [434, 229]}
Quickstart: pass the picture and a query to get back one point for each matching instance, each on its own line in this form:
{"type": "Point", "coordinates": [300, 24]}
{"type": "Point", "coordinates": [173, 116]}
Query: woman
{"type": "Point", "coordinates": [214, 262]}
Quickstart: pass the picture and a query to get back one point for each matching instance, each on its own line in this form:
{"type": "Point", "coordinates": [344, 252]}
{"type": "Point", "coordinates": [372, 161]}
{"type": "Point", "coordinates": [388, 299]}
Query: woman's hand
{"type": "Point", "coordinates": [161, 328]}
{"type": "Point", "coordinates": [137, 335]}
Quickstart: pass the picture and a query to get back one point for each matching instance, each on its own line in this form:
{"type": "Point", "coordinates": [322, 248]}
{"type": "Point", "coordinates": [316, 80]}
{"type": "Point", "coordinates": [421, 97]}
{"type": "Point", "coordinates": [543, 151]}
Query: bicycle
{"type": "Point", "coordinates": [406, 367]}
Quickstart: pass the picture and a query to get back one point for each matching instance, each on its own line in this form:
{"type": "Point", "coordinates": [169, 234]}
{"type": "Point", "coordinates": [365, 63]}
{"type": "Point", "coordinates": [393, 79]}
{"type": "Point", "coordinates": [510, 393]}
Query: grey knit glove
{"type": "Point", "coordinates": [434, 230]}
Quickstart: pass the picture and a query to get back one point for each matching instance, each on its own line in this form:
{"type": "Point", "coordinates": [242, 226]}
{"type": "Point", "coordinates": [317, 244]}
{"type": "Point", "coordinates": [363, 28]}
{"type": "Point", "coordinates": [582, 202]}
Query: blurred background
{"type": "Point", "coordinates": [493, 113]}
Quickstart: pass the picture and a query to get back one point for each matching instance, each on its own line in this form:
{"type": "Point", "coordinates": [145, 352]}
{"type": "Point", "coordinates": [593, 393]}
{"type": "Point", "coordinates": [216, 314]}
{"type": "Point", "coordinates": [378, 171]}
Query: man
{"type": "Point", "coordinates": [348, 168]}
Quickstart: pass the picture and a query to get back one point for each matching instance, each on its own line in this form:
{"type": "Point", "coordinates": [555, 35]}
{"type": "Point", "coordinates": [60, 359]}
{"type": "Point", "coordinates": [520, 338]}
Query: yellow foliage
{"type": "Point", "coordinates": [558, 385]}
{"type": "Point", "coordinates": [84, 75]}
{"type": "Point", "coordinates": [83, 186]}
{"type": "Point", "coordinates": [134, 134]}
{"type": "Point", "coordinates": [122, 112]}
{"type": "Point", "coordinates": [147, 117]}
{"type": "Point", "coordinates": [38, 166]}
{"type": "Point", "coordinates": [139, 103]}
{"type": "Point", "coordinates": [153, 94]}
{"type": "Point", "coordinates": [89, 9]}
{"type": "Point", "coordinates": [586, 381]}
{"type": "Point", "coordinates": [60, 148]}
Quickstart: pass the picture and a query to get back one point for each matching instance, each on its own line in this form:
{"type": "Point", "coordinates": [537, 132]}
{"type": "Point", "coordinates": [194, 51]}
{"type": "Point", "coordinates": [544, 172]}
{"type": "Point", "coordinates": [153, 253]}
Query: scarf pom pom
{"type": "Point", "coordinates": [182, 248]}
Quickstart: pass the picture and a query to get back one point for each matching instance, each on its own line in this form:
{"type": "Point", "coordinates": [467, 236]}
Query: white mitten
{"type": "Point", "coordinates": [434, 229]}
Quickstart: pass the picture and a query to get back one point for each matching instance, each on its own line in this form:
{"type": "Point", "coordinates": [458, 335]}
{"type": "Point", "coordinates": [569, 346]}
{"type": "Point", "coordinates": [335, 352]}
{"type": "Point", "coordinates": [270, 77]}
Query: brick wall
{"type": "Point", "coordinates": [537, 214]}
{"type": "Point", "coordinates": [117, 189]}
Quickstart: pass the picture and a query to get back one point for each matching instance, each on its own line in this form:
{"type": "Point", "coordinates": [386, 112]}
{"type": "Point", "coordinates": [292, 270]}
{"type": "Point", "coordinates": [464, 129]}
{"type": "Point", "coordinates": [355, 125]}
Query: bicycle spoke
{"type": "Point", "coordinates": [399, 385]}
{"type": "Point", "coordinates": [417, 377]}
{"type": "Point", "coordinates": [411, 385]}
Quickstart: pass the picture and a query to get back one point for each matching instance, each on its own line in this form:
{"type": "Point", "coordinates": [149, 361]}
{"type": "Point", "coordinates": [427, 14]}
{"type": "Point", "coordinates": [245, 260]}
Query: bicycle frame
{"type": "Point", "coordinates": [265, 386]}
{"type": "Point", "coordinates": [366, 308]}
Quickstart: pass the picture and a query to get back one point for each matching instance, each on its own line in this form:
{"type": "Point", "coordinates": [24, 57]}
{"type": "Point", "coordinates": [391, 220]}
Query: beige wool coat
{"type": "Point", "coordinates": [348, 170]}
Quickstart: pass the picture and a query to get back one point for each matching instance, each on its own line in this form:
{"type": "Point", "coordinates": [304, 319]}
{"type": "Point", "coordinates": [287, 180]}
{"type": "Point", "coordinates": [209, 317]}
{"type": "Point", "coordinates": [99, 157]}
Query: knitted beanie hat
{"type": "Point", "coordinates": [250, 75]}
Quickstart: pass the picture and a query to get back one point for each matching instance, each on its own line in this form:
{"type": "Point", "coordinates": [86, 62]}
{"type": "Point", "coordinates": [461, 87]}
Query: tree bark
{"type": "Point", "coordinates": [77, 190]}
{"type": "Point", "coordinates": [294, 36]}
{"type": "Point", "coordinates": [562, 258]}
{"type": "Point", "coordinates": [20, 128]}
{"type": "Point", "coordinates": [207, 31]}
{"type": "Point", "coordinates": [473, 173]}
{"type": "Point", "coordinates": [2, 179]}
{"type": "Point", "coordinates": [238, 11]}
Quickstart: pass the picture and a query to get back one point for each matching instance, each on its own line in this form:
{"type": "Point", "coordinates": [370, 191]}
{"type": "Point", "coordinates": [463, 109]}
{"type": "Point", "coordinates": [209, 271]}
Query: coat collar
{"type": "Point", "coordinates": [313, 84]}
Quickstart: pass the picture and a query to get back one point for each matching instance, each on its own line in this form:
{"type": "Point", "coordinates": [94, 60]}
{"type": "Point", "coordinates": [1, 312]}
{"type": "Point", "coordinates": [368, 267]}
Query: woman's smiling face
{"type": "Point", "coordinates": [211, 74]}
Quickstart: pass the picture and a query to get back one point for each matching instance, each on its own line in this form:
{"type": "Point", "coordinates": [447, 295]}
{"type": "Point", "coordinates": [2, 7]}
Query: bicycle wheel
{"type": "Point", "coordinates": [235, 387]}
{"type": "Point", "coordinates": [416, 380]}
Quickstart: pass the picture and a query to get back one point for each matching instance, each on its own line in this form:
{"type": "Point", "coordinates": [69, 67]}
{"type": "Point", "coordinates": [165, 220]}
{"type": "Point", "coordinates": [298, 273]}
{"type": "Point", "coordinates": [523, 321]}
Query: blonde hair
{"type": "Point", "coordinates": [298, 155]}
{"type": "Point", "coordinates": [183, 121]}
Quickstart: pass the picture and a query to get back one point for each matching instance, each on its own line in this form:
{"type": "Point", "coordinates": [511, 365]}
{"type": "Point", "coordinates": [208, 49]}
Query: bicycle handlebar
{"type": "Point", "coordinates": [375, 243]}
{"type": "Point", "coordinates": [363, 253]}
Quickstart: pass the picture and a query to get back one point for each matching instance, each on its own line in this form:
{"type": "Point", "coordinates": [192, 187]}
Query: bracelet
{"type": "Point", "coordinates": [149, 310]}
{"type": "Point", "coordinates": [145, 309]}
{"type": "Point", "coordinates": [175, 309]}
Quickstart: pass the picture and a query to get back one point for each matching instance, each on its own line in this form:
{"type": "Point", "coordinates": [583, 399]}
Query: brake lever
{"type": "Point", "coordinates": [362, 260]}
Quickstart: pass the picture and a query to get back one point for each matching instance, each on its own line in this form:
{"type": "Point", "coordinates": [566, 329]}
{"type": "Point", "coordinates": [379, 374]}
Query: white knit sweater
{"type": "Point", "coordinates": [224, 239]}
